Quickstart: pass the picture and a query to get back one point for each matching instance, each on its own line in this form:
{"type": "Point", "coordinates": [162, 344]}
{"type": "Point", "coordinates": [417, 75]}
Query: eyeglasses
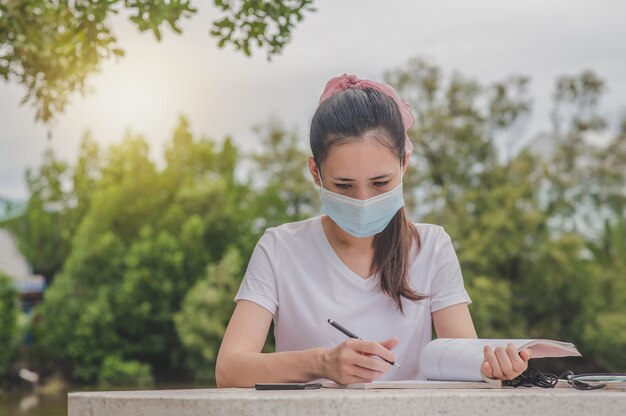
{"type": "Point", "coordinates": [594, 381]}
{"type": "Point", "coordinates": [590, 381]}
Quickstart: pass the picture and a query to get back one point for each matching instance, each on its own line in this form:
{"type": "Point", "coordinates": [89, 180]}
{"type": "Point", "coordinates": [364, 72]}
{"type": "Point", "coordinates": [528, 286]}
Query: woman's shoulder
{"type": "Point", "coordinates": [292, 232]}
{"type": "Point", "coordinates": [295, 227]}
{"type": "Point", "coordinates": [432, 235]}
{"type": "Point", "coordinates": [432, 230]}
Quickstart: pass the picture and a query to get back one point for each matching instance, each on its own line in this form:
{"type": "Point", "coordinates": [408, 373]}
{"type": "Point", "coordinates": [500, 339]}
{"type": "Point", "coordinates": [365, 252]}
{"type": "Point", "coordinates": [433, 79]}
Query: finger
{"type": "Point", "coordinates": [365, 373]}
{"type": "Point", "coordinates": [505, 363]}
{"type": "Point", "coordinates": [526, 354]}
{"type": "Point", "coordinates": [390, 343]}
{"type": "Point", "coordinates": [490, 357]}
{"type": "Point", "coordinates": [518, 364]}
{"type": "Point", "coordinates": [487, 370]}
{"type": "Point", "coordinates": [371, 363]}
{"type": "Point", "coordinates": [374, 348]}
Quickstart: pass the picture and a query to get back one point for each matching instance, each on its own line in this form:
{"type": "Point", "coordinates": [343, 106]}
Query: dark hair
{"type": "Point", "coordinates": [346, 117]}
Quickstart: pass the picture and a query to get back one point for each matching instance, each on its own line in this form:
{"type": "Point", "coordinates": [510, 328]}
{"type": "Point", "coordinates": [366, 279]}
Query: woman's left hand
{"type": "Point", "coordinates": [505, 363]}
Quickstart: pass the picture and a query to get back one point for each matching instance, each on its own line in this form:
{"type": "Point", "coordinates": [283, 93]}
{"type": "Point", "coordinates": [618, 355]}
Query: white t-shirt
{"type": "Point", "coordinates": [296, 275]}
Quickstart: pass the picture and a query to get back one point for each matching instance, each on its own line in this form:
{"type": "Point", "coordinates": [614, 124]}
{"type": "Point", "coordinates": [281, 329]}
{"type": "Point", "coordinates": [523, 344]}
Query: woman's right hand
{"type": "Point", "coordinates": [354, 361]}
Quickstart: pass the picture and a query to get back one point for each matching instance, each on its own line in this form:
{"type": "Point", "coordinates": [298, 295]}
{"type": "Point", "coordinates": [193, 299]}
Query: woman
{"type": "Point", "coordinates": [363, 264]}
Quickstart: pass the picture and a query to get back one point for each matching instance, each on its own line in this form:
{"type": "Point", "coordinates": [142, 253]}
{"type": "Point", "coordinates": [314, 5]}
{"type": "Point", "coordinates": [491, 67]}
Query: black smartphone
{"type": "Point", "coordinates": [287, 386]}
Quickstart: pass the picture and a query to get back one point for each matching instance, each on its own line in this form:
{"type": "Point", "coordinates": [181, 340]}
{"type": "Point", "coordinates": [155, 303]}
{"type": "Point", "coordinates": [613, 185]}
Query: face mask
{"type": "Point", "coordinates": [362, 218]}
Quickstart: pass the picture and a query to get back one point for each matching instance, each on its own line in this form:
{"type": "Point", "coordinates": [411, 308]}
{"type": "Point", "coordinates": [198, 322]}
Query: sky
{"type": "Point", "coordinates": [223, 93]}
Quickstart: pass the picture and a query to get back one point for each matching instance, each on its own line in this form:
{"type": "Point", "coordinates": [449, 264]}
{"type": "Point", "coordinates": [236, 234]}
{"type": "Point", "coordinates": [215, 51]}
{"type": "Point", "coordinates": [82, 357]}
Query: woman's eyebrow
{"type": "Point", "coordinates": [371, 179]}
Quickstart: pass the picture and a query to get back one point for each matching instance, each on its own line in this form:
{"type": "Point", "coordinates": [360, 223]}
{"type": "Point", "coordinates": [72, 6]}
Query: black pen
{"type": "Point", "coordinates": [352, 335]}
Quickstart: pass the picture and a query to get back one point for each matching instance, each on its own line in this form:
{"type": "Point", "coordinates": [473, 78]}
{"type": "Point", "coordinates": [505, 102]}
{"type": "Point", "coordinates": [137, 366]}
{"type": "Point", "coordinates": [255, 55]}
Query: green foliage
{"type": "Point", "coordinates": [205, 312]}
{"type": "Point", "coordinates": [287, 192]}
{"type": "Point", "coordinates": [53, 47]}
{"type": "Point", "coordinates": [604, 337]}
{"type": "Point", "coordinates": [116, 372]}
{"type": "Point", "coordinates": [267, 23]}
{"type": "Point", "coordinates": [53, 212]}
{"type": "Point", "coordinates": [492, 308]}
{"type": "Point", "coordinates": [145, 238]}
{"type": "Point", "coordinates": [43, 229]}
{"type": "Point", "coordinates": [604, 332]}
{"type": "Point", "coordinates": [9, 330]}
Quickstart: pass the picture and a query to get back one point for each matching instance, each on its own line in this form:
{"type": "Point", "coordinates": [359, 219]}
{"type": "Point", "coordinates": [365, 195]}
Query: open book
{"type": "Point", "coordinates": [456, 363]}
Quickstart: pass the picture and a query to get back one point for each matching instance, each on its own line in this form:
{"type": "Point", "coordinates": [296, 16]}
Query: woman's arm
{"type": "Point", "coordinates": [454, 322]}
{"type": "Point", "coordinates": [503, 363]}
{"type": "Point", "coordinates": [240, 362]}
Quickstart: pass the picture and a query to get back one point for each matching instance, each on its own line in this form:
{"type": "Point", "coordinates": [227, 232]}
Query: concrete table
{"type": "Point", "coordinates": [224, 402]}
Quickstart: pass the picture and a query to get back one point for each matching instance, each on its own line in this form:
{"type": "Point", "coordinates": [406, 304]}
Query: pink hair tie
{"type": "Point", "coordinates": [352, 81]}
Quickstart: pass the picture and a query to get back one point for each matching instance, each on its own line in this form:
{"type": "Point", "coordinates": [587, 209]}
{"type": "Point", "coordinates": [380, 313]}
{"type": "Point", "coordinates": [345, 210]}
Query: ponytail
{"type": "Point", "coordinates": [392, 258]}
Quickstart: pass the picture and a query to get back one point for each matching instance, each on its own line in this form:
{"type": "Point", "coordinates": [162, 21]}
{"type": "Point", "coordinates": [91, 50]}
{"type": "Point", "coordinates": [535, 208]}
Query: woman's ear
{"type": "Point", "coordinates": [405, 162]}
{"type": "Point", "coordinates": [313, 169]}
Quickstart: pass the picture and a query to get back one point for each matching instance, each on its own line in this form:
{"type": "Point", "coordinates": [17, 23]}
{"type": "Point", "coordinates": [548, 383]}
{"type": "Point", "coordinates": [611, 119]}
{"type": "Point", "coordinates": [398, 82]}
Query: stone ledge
{"type": "Point", "coordinates": [223, 402]}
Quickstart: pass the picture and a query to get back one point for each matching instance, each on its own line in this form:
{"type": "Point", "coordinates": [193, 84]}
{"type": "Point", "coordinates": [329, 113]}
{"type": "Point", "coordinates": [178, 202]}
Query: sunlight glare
{"type": "Point", "coordinates": [129, 101]}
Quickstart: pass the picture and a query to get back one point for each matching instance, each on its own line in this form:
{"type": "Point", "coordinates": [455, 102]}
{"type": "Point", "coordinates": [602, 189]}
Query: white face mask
{"type": "Point", "coordinates": [362, 218]}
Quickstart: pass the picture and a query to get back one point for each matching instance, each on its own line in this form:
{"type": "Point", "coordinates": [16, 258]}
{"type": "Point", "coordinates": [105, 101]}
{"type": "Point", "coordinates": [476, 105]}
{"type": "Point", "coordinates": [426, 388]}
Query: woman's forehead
{"type": "Point", "coordinates": [359, 159]}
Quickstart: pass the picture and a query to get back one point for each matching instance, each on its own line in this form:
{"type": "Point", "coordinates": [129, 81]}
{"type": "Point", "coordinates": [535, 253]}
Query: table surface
{"type": "Point", "coordinates": [192, 402]}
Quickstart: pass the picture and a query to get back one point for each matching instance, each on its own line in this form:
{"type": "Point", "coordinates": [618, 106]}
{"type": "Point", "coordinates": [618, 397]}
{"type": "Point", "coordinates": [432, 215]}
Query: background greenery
{"type": "Point", "coordinates": [143, 260]}
{"type": "Point", "coordinates": [9, 333]}
{"type": "Point", "coordinates": [54, 47]}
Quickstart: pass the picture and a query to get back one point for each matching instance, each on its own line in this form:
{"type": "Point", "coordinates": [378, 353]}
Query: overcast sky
{"type": "Point", "coordinates": [224, 93]}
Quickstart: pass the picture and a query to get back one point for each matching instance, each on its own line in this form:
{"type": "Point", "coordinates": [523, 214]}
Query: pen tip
{"type": "Point", "coordinates": [330, 321]}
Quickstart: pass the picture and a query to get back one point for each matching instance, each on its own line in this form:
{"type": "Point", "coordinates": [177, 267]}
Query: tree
{"type": "Point", "coordinates": [205, 312]}
{"type": "Point", "coordinates": [607, 176]}
{"type": "Point", "coordinates": [44, 227]}
{"type": "Point", "coordinates": [457, 124]}
{"type": "Point", "coordinates": [52, 47]}
{"type": "Point", "coordinates": [9, 330]}
{"type": "Point", "coordinates": [144, 240]}
{"type": "Point", "coordinates": [285, 189]}
{"type": "Point", "coordinates": [569, 176]}
{"type": "Point", "coordinates": [59, 198]}
{"type": "Point", "coordinates": [604, 331]}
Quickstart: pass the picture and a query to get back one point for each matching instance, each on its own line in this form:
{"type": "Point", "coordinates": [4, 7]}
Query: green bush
{"type": "Point", "coordinates": [9, 329]}
{"type": "Point", "coordinates": [125, 373]}
{"type": "Point", "coordinates": [205, 312]}
{"type": "Point", "coordinates": [492, 308]}
{"type": "Point", "coordinates": [145, 238]}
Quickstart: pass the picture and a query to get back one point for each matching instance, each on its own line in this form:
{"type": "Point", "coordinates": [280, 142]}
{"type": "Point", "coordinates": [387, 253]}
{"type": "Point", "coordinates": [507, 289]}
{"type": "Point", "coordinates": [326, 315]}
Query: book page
{"type": "Point", "coordinates": [546, 348]}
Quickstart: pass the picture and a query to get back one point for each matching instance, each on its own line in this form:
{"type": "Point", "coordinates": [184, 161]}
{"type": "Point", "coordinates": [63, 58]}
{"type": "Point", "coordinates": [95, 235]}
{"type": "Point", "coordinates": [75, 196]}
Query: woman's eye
{"type": "Point", "coordinates": [343, 185]}
{"type": "Point", "coordinates": [381, 183]}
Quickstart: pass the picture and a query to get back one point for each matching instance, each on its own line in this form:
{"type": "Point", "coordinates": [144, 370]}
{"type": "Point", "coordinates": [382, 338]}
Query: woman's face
{"type": "Point", "coordinates": [359, 170]}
